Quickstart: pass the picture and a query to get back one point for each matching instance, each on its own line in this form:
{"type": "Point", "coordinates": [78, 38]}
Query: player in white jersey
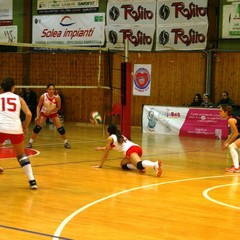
{"type": "Point", "coordinates": [11, 127]}
{"type": "Point", "coordinates": [48, 107]}
{"type": "Point", "coordinates": [132, 152]}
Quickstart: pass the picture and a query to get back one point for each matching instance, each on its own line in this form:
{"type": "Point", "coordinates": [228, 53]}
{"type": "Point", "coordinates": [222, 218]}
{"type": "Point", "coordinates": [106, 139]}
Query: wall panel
{"type": "Point", "coordinates": [176, 77]}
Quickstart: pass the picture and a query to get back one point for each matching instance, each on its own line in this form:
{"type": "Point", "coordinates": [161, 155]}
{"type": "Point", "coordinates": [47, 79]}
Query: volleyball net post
{"type": "Point", "coordinates": [126, 68]}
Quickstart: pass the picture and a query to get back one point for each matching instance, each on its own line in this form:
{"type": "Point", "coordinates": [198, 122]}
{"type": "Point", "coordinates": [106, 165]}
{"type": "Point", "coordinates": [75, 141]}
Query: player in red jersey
{"type": "Point", "coordinates": [233, 141]}
{"type": "Point", "coordinates": [11, 127]}
{"type": "Point", "coordinates": [48, 106]}
{"type": "Point", "coordinates": [132, 152]}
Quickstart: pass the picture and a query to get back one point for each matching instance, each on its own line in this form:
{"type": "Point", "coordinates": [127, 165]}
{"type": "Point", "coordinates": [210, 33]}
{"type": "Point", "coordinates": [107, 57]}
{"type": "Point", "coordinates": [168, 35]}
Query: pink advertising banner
{"type": "Point", "coordinates": [183, 121]}
{"type": "Point", "coordinates": [204, 123]}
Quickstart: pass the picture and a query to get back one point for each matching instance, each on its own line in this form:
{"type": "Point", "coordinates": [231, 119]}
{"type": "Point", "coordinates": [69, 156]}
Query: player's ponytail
{"type": "Point", "coordinates": [112, 129]}
{"type": "Point", "coordinates": [120, 137]}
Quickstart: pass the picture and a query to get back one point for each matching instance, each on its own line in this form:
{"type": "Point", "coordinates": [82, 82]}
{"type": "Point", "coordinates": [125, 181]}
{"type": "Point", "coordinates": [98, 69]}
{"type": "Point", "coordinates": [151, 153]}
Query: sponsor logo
{"type": "Point", "coordinates": [192, 37]}
{"type": "Point", "coordinates": [193, 10]}
{"type": "Point", "coordinates": [142, 79]}
{"type": "Point", "coordinates": [66, 21]}
{"type": "Point", "coordinates": [141, 13]}
{"type": "Point", "coordinates": [164, 12]}
{"type": "Point", "coordinates": [114, 13]}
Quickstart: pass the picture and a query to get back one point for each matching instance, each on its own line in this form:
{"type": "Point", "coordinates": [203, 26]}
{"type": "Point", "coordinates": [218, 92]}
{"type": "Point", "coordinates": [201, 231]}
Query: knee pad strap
{"type": "Point", "coordinates": [140, 166]}
{"type": "Point", "coordinates": [125, 167]}
{"type": "Point", "coordinates": [23, 160]}
{"type": "Point", "coordinates": [37, 129]}
{"type": "Point", "coordinates": [61, 130]}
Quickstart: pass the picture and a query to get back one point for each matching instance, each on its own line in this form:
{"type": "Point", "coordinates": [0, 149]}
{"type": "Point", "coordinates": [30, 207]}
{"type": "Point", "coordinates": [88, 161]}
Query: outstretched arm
{"type": "Point", "coordinates": [106, 149]}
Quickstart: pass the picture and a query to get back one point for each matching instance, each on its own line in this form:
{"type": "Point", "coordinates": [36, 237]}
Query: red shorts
{"type": "Point", "coordinates": [14, 138]}
{"type": "Point", "coordinates": [53, 115]}
{"type": "Point", "coordinates": [134, 149]}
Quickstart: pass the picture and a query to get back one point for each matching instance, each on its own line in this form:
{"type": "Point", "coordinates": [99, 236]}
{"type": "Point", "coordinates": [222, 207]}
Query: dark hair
{"type": "Point", "coordinates": [197, 95]}
{"type": "Point", "coordinates": [112, 129]}
{"type": "Point", "coordinates": [227, 108]}
{"type": "Point", "coordinates": [226, 92]}
{"type": "Point", "coordinates": [50, 84]}
{"type": "Point", "coordinates": [7, 84]}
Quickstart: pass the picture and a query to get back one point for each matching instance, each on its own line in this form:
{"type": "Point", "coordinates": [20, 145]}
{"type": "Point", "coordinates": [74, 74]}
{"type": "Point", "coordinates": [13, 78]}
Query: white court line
{"type": "Point", "coordinates": [71, 216]}
{"type": "Point", "coordinates": [205, 194]}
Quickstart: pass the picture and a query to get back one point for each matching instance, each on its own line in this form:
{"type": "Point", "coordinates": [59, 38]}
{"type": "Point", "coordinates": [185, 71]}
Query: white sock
{"type": "Point", "coordinates": [234, 154]}
{"type": "Point", "coordinates": [31, 140]}
{"type": "Point", "coordinates": [147, 163]}
{"type": "Point", "coordinates": [28, 171]}
{"type": "Point", "coordinates": [65, 141]}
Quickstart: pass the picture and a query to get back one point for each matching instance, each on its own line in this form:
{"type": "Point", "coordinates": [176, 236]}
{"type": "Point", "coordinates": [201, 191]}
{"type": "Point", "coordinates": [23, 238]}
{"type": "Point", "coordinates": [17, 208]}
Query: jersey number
{"type": "Point", "coordinates": [9, 104]}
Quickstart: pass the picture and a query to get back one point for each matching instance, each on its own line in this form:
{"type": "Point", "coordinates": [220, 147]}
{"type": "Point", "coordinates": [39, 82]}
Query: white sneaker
{"type": "Point", "coordinates": [6, 142]}
{"type": "Point", "coordinates": [33, 184]}
{"type": "Point", "coordinates": [29, 145]}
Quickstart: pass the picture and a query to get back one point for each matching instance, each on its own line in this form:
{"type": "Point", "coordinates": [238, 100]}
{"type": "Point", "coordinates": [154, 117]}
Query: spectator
{"type": "Point", "coordinates": [224, 99]}
{"type": "Point", "coordinates": [30, 98]}
{"type": "Point", "coordinates": [206, 101]}
{"type": "Point", "coordinates": [197, 100]}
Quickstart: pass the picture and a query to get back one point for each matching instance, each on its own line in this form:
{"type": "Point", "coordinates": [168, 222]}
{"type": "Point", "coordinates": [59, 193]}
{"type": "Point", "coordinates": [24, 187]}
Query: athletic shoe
{"type": "Point", "coordinates": [67, 145]}
{"type": "Point", "coordinates": [6, 142]}
{"type": "Point", "coordinates": [29, 145]}
{"type": "Point", "coordinates": [1, 170]}
{"type": "Point", "coordinates": [142, 171]}
{"type": "Point", "coordinates": [233, 169]}
{"type": "Point", "coordinates": [158, 168]}
{"type": "Point", "coordinates": [33, 184]}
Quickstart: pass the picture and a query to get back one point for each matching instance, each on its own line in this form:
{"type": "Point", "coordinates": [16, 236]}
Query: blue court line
{"type": "Point", "coordinates": [33, 232]}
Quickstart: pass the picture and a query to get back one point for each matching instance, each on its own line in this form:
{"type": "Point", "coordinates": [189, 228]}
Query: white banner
{"type": "Point", "coordinates": [8, 34]}
{"type": "Point", "coordinates": [6, 9]}
{"type": "Point", "coordinates": [182, 37]}
{"type": "Point", "coordinates": [163, 120]}
{"type": "Point", "coordinates": [65, 4]}
{"type": "Point", "coordinates": [132, 21]}
{"type": "Point", "coordinates": [72, 29]}
{"type": "Point", "coordinates": [131, 12]}
{"type": "Point", "coordinates": [231, 21]}
{"type": "Point", "coordinates": [139, 38]}
{"type": "Point", "coordinates": [181, 25]}
{"type": "Point", "coordinates": [142, 79]}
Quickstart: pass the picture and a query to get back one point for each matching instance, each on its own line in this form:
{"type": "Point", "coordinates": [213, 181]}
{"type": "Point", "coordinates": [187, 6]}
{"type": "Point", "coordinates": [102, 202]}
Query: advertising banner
{"type": "Point", "coordinates": [6, 12]}
{"type": "Point", "coordinates": [131, 12]}
{"type": "Point", "coordinates": [200, 122]}
{"type": "Point", "coordinates": [142, 79]}
{"type": "Point", "coordinates": [73, 29]}
{"type": "Point", "coordinates": [140, 38]}
{"type": "Point", "coordinates": [132, 21]}
{"type": "Point", "coordinates": [181, 25]}
{"type": "Point", "coordinates": [67, 6]}
{"type": "Point", "coordinates": [231, 21]}
{"type": "Point", "coordinates": [8, 34]}
{"type": "Point", "coordinates": [188, 37]}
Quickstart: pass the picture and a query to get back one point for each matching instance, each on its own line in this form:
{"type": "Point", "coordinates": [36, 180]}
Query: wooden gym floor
{"type": "Point", "coordinates": [194, 199]}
